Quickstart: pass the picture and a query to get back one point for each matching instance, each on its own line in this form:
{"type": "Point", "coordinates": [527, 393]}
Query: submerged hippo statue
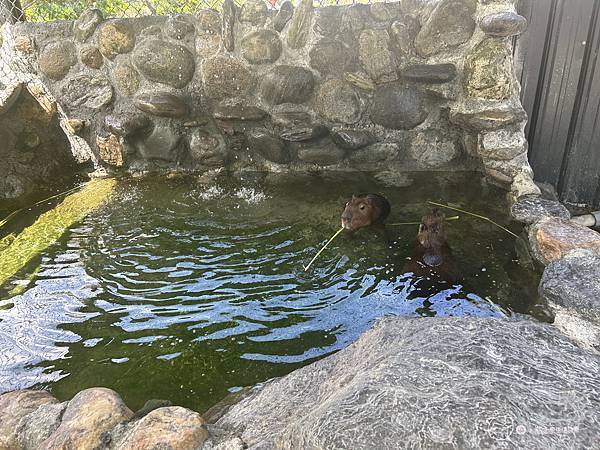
{"type": "Point", "coordinates": [365, 210]}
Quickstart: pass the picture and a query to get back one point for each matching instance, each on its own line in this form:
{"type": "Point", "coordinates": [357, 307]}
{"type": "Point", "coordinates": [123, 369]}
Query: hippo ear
{"type": "Point", "coordinates": [353, 196]}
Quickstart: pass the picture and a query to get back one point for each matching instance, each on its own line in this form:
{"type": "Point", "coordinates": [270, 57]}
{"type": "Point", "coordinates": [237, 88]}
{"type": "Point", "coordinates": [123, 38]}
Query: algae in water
{"type": "Point", "coordinates": [51, 225]}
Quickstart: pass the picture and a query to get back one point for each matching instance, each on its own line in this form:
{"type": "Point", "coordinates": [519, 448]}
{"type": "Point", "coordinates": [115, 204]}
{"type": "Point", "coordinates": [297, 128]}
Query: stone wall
{"type": "Point", "coordinates": [412, 85]}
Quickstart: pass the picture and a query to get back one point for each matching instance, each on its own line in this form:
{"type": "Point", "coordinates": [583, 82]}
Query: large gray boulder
{"type": "Point", "coordinates": [429, 383]}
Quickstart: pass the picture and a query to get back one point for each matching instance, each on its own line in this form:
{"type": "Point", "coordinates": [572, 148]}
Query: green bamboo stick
{"type": "Point", "coordinates": [419, 223]}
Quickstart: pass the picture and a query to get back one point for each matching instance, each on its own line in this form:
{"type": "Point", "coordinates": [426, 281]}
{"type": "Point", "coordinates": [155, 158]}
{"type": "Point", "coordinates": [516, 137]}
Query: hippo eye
{"type": "Point", "coordinates": [362, 206]}
{"type": "Point", "coordinates": [422, 228]}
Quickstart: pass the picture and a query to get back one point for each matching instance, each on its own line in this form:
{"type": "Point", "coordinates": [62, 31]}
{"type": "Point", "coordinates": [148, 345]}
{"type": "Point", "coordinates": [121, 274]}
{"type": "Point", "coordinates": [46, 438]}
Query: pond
{"type": "Point", "coordinates": [183, 291]}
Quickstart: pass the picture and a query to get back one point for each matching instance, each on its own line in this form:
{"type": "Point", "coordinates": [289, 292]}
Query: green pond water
{"type": "Point", "coordinates": [176, 290]}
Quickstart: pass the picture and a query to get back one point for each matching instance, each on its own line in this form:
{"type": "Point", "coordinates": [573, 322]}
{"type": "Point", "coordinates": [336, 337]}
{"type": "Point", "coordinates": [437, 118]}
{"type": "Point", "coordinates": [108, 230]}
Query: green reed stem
{"type": "Point", "coordinates": [419, 223]}
{"type": "Point", "coordinates": [475, 215]}
{"type": "Point", "coordinates": [323, 248]}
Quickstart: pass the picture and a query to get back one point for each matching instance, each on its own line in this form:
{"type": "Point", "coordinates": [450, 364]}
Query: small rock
{"type": "Point", "coordinates": [573, 283]}
{"type": "Point", "coordinates": [163, 104]}
{"type": "Point", "coordinates": [385, 12]}
{"type": "Point", "coordinates": [254, 12]}
{"type": "Point", "coordinates": [172, 427]}
{"type": "Point", "coordinates": [89, 414]}
{"type": "Point", "coordinates": [286, 116]}
{"type": "Point", "coordinates": [502, 144]}
{"type": "Point", "coordinates": [327, 20]}
{"type": "Point", "coordinates": [488, 71]}
{"type": "Point", "coordinates": [354, 19]}
{"type": "Point", "coordinates": [523, 185]}
{"type": "Point", "coordinates": [332, 57]}
{"type": "Point", "coordinates": [283, 16]}
{"type": "Point", "coordinates": [24, 44]}
{"type": "Point", "coordinates": [152, 30]}
{"type": "Point", "coordinates": [552, 238]}
{"type": "Point", "coordinates": [75, 125]}
{"type": "Point", "coordinates": [433, 149]}
{"type": "Point", "coordinates": [164, 62]}
{"type": "Point", "coordinates": [509, 168]}
{"type": "Point", "coordinates": [322, 155]}
{"type": "Point", "coordinates": [178, 26]}
{"type": "Point", "coordinates": [360, 80]}
{"type": "Point", "coordinates": [338, 101]}
{"type": "Point", "coordinates": [352, 139]}
{"type": "Point", "coordinates": [208, 149]}
{"type": "Point", "coordinates": [375, 56]}
{"type": "Point", "coordinates": [114, 38]}
{"type": "Point", "coordinates": [228, 26]}
{"type": "Point", "coordinates": [126, 124]}
{"type": "Point", "coordinates": [39, 425]}
{"type": "Point", "coordinates": [126, 79]}
{"type": "Point", "coordinates": [261, 46]}
{"type": "Point", "coordinates": [398, 107]}
{"type": "Point", "coordinates": [403, 33]}
{"type": "Point", "coordinates": [450, 24]}
{"type": "Point", "coordinates": [14, 406]}
{"type": "Point", "coordinates": [503, 24]}
{"type": "Point", "coordinates": [270, 147]}
{"type": "Point", "coordinates": [477, 118]}
{"type": "Point", "coordinates": [532, 209]}
{"type": "Point", "coordinates": [161, 144]}
{"type": "Point", "coordinates": [56, 59]}
{"type": "Point", "coordinates": [209, 21]}
{"type": "Point", "coordinates": [430, 73]}
{"type": "Point", "coordinates": [90, 91]}
{"type": "Point", "coordinates": [110, 150]}
{"type": "Point", "coordinates": [299, 27]}
{"type": "Point", "coordinates": [86, 24]}
{"type": "Point", "coordinates": [91, 56]}
{"type": "Point", "coordinates": [209, 29]}
{"type": "Point", "coordinates": [287, 84]}
{"type": "Point", "coordinates": [304, 133]}
{"type": "Point", "coordinates": [374, 155]}
{"type": "Point", "coordinates": [226, 76]}
{"type": "Point", "coordinates": [238, 109]}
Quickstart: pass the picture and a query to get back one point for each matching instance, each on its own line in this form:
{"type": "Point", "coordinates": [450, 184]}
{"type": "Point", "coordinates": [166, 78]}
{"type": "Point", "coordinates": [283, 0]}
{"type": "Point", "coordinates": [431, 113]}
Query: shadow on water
{"type": "Point", "coordinates": [186, 292]}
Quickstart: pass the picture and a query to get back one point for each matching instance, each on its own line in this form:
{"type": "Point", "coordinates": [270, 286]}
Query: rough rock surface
{"type": "Point", "coordinates": [283, 16]}
{"type": "Point", "coordinates": [208, 149]}
{"type": "Point", "coordinates": [489, 71]}
{"type": "Point", "coordinates": [37, 426]}
{"type": "Point", "coordinates": [398, 107]}
{"type": "Point", "coordinates": [227, 30]}
{"type": "Point", "coordinates": [553, 238]}
{"type": "Point", "coordinates": [450, 24]}
{"type": "Point", "coordinates": [321, 154]}
{"type": "Point", "coordinates": [433, 149]}
{"type": "Point", "coordinates": [531, 209]}
{"type": "Point", "coordinates": [126, 124]}
{"type": "Point", "coordinates": [163, 104]}
{"type": "Point", "coordinates": [126, 79]}
{"type": "Point", "coordinates": [352, 139]}
{"type": "Point", "coordinates": [114, 38]}
{"type": "Point", "coordinates": [573, 284]}
{"type": "Point", "coordinates": [90, 91]}
{"type": "Point", "coordinates": [287, 84]}
{"type": "Point", "coordinates": [269, 146]}
{"type": "Point", "coordinates": [164, 62]}
{"type": "Point", "coordinates": [374, 155]}
{"type": "Point", "coordinates": [225, 76]}
{"type": "Point", "coordinates": [56, 59]}
{"type": "Point", "coordinates": [238, 109]}
{"type": "Point", "coordinates": [86, 24]}
{"type": "Point", "coordinates": [332, 57]}
{"type": "Point", "coordinates": [375, 55]}
{"type": "Point", "coordinates": [477, 118]}
{"type": "Point", "coordinates": [91, 57]}
{"type": "Point", "coordinates": [299, 27]}
{"type": "Point", "coordinates": [89, 414]}
{"type": "Point", "coordinates": [504, 381]}
{"type": "Point", "coordinates": [261, 46]}
{"type": "Point", "coordinates": [503, 24]}
{"type": "Point", "coordinates": [173, 428]}
{"type": "Point", "coordinates": [502, 144]}
{"type": "Point", "coordinates": [161, 144]}
{"type": "Point", "coordinates": [430, 73]}
{"type": "Point", "coordinates": [254, 12]}
{"type": "Point", "coordinates": [14, 406]}
{"type": "Point", "coordinates": [338, 101]}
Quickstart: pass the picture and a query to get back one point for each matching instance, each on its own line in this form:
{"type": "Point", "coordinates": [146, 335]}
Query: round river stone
{"type": "Point", "coordinates": [56, 59]}
{"type": "Point", "coordinates": [163, 104]}
{"type": "Point", "coordinates": [164, 62]}
{"type": "Point", "coordinates": [398, 107]}
{"type": "Point", "coordinates": [338, 101]}
{"type": "Point", "coordinates": [226, 76]}
{"type": "Point", "coordinates": [114, 38]}
{"type": "Point", "coordinates": [287, 84]}
{"type": "Point", "coordinates": [261, 46]}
